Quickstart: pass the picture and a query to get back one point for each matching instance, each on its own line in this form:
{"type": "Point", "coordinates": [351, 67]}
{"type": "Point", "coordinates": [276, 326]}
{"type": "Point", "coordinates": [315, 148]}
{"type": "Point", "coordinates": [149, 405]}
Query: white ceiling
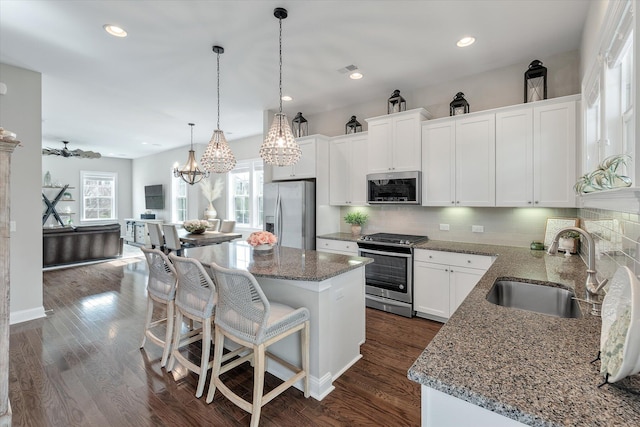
{"type": "Point", "coordinates": [131, 97]}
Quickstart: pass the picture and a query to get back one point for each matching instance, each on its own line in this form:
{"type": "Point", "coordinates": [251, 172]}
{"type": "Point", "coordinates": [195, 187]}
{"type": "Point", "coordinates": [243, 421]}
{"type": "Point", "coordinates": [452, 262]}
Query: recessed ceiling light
{"type": "Point", "coordinates": [356, 75]}
{"type": "Point", "coordinates": [114, 30]}
{"type": "Point", "coordinates": [144, 143]}
{"type": "Point", "coordinates": [466, 41]}
{"type": "Point", "coordinates": [287, 98]}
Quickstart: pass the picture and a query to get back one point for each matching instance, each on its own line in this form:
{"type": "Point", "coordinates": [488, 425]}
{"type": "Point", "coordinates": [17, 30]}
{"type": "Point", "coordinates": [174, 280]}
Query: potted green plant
{"type": "Point", "coordinates": [357, 220]}
{"type": "Point", "coordinates": [569, 241]}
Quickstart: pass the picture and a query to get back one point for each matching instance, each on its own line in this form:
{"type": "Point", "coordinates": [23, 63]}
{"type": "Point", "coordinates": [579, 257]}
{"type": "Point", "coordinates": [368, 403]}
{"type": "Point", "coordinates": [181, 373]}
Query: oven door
{"type": "Point", "coordinates": [389, 276]}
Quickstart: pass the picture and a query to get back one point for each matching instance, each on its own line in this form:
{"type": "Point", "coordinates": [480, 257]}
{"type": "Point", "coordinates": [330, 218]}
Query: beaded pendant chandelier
{"type": "Point", "coordinates": [190, 172]}
{"type": "Point", "coordinates": [218, 157]}
{"type": "Point", "coordinates": [280, 147]}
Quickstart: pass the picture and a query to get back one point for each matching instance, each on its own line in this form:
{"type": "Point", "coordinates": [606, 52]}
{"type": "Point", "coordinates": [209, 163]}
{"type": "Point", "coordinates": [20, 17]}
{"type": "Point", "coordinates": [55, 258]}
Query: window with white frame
{"type": "Point", "coordinates": [98, 196]}
{"type": "Point", "coordinates": [609, 125]}
{"type": "Point", "coordinates": [244, 185]}
{"type": "Point", "coordinates": [178, 199]}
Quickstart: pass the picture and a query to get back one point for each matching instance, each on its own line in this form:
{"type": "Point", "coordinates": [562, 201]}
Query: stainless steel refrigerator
{"type": "Point", "coordinates": [290, 213]}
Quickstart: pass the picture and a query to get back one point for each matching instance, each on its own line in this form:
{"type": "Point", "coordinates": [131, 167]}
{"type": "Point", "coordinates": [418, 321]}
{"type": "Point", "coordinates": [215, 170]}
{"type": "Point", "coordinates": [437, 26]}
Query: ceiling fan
{"type": "Point", "coordinates": [65, 152]}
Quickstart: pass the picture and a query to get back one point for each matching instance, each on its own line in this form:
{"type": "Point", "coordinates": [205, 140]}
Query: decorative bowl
{"type": "Point", "coordinates": [263, 248]}
{"type": "Point", "coordinates": [195, 226]}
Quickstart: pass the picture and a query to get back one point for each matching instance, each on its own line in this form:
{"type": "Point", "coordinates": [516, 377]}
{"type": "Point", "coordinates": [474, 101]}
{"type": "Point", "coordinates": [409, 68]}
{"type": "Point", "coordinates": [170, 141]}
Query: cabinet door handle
{"type": "Point", "coordinates": [536, 202]}
{"type": "Point", "coordinates": [529, 202]}
{"type": "Point", "coordinates": [469, 261]}
{"type": "Point", "coordinates": [453, 203]}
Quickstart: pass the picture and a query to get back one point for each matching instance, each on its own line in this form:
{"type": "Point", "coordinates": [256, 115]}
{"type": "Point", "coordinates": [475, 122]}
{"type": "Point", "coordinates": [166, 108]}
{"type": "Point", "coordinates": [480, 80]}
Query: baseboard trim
{"type": "Point", "coordinates": [26, 315]}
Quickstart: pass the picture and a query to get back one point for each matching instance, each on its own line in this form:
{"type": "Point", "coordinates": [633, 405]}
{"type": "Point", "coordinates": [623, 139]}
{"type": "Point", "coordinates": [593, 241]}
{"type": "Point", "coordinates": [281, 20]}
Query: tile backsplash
{"type": "Point", "coordinates": [616, 234]}
{"type": "Point", "coordinates": [617, 238]}
{"type": "Point", "coordinates": [502, 226]}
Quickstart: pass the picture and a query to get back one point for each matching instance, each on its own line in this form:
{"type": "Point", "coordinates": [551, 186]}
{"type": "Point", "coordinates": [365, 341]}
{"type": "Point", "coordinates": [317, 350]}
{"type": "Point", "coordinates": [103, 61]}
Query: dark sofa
{"type": "Point", "coordinates": [68, 245]}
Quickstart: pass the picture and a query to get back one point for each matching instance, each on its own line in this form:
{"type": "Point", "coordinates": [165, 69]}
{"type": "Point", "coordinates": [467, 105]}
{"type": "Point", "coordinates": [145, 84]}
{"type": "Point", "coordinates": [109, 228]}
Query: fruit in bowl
{"type": "Point", "coordinates": [196, 226]}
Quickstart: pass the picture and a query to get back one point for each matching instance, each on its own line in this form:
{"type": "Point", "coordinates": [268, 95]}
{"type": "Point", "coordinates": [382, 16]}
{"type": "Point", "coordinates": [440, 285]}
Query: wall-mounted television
{"type": "Point", "coordinates": [153, 197]}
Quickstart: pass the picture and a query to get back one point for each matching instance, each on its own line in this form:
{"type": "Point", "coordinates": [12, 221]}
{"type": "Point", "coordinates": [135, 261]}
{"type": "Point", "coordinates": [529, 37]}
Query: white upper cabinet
{"type": "Point", "coordinates": [439, 163]}
{"type": "Point", "coordinates": [458, 161]}
{"type": "Point", "coordinates": [554, 155]}
{"type": "Point", "coordinates": [306, 166]}
{"type": "Point", "coordinates": [348, 170]}
{"type": "Point", "coordinates": [536, 155]}
{"type": "Point", "coordinates": [475, 161]}
{"type": "Point", "coordinates": [394, 141]}
{"type": "Point", "coordinates": [514, 157]}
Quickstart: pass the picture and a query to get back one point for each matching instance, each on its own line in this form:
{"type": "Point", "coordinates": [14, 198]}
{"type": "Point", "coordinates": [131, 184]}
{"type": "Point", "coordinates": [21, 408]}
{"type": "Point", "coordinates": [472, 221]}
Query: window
{"type": "Point", "coordinates": [245, 194]}
{"type": "Point", "coordinates": [609, 127]}
{"type": "Point", "coordinates": [178, 199]}
{"type": "Point", "coordinates": [99, 193]}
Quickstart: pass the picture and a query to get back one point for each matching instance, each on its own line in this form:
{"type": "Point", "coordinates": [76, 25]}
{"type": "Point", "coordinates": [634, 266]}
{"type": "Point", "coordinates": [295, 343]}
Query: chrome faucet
{"type": "Point", "coordinates": [592, 284]}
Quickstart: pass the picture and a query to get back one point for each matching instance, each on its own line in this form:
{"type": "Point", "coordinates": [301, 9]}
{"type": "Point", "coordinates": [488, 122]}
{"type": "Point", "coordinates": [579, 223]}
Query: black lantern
{"type": "Point", "coordinates": [396, 103]}
{"type": "Point", "coordinates": [535, 82]}
{"type": "Point", "coordinates": [352, 126]}
{"type": "Point", "coordinates": [299, 126]}
{"type": "Point", "coordinates": [459, 105]}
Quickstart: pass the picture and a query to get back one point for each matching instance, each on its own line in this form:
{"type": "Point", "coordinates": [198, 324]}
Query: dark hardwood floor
{"type": "Point", "coordinates": [82, 366]}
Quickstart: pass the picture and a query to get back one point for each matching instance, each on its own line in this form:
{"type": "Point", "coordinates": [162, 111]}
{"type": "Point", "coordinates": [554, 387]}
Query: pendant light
{"type": "Point", "coordinates": [218, 157]}
{"type": "Point", "coordinates": [280, 147]}
{"type": "Point", "coordinates": [190, 172]}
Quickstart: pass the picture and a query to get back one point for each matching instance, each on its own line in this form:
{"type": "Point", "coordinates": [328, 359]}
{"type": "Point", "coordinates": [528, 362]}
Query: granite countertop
{"type": "Point", "coordinates": [340, 236]}
{"type": "Point", "coordinates": [526, 366]}
{"type": "Point", "coordinates": [279, 263]}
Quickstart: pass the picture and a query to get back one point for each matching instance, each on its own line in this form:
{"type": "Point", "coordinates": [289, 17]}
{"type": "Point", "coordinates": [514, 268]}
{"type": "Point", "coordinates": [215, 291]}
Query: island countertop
{"type": "Point", "coordinates": [526, 366]}
{"type": "Point", "coordinates": [279, 263]}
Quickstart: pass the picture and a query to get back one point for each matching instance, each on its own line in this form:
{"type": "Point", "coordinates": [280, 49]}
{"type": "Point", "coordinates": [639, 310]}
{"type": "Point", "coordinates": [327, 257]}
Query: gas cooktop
{"type": "Point", "coordinates": [394, 239]}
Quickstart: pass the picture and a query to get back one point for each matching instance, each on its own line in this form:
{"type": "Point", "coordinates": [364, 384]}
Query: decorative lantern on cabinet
{"type": "Point", "coordinates": [299, 126]}
{"type": "Point", "coordinates": [396, 103]}
{"type": "Point", "coordinates": [352, 126]}
{"type": "Point", "coordinates": [459, 105]}
{"type": "Point", "coordinates": [535, 82]}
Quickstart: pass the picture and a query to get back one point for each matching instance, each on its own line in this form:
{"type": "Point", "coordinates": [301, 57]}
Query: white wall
{"type": "Point", "coordinates": [493, 89]}
{"type": "Point", "coordinates": [67, 171]}
{"type": "Point", "coordinates": [21, 112]}
{"type": "Point", "coordinates": [158, 169]}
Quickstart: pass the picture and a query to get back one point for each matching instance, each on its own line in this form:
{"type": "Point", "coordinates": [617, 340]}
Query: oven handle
{"type": "Point", "coordinates": [392, 254]}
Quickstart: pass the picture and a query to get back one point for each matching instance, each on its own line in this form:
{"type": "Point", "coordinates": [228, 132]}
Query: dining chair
{"type": "Point", "coordinates": [172, 239]}
{"type": "Point", "coordinates": [245, 316]}
{"type": "Point", "coordinates": [214, 224]}
{"type": "Point", "coordinates": [227, 226]}
{"type": "Point", "coordinates": [155, 235]}
{"type": "Point", "coordinates": [195, 300]}
{"type": "Point", "coordinates": [161, 291]}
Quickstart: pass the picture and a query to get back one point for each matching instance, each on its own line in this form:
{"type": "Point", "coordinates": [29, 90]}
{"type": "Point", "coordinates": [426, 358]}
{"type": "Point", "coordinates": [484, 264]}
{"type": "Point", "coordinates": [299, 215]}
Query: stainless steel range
{"type": "Point", "coordinates": [389, 279]}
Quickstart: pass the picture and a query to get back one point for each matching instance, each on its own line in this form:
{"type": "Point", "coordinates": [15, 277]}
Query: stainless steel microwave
{"type": "Point", "coordinates": [394, 188]}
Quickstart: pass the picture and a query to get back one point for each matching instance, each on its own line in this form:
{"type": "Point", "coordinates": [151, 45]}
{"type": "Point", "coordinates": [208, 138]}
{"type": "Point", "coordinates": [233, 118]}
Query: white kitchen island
{"type": "Point", "coordinates": [331, 286]}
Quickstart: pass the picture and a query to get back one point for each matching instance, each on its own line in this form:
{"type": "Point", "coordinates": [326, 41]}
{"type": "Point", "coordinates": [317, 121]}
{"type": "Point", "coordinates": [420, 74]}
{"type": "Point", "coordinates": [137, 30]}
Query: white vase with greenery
{"type": "Point", "coordinates": [357, 220]}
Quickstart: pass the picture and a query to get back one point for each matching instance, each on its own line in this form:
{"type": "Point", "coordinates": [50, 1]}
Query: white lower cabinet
{"type": "Point", "coordinates": [442, 280]}
{"type": "Point", "coordinates": [343, 247]}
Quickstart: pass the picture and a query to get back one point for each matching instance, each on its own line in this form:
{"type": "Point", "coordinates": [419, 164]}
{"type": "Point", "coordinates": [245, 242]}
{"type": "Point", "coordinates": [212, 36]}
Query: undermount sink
{"type": "Point", "coordinates": [542, 299]}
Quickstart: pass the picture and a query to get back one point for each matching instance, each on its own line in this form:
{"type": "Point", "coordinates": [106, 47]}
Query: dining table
{"type": "Point", "coordinates": [206, 238]}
